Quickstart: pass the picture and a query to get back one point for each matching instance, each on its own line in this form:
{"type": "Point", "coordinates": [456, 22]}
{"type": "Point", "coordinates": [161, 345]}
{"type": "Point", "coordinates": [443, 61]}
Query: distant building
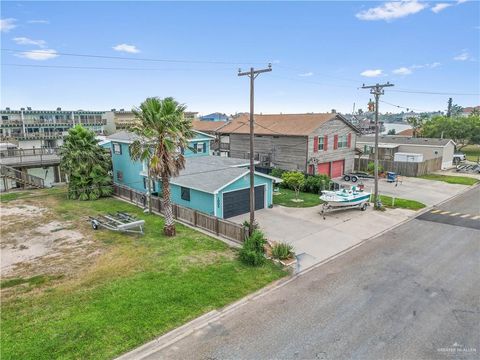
{"type": "Point", "coordinates": [221, 144]}
{"type": "Point", "coordinates": [214, 117]}
{"type": "Point", "coordinates": [121, 119]}
{"type": "Point", "coordinates": [468, 110]}
{"type": "Point", "coordinates": [29, 128]}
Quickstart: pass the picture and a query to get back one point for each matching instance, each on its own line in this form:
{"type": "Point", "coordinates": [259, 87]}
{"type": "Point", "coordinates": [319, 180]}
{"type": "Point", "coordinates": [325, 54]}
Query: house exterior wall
{"type": "Point", "coordinates": [244, 183]}
{"type": "Point", "coordinates": [129, 169]}
{"type": "Point", "coordinates": [330, 129]}
{"type": "Point", "coordinates": [284, 152]}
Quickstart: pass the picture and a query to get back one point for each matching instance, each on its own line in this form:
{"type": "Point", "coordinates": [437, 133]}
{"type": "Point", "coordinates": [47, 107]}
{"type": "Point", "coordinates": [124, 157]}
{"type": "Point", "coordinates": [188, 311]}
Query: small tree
{"type": "Point", "coordinates": [391, 132]}
{"type": "Point", "coordinates": [86, 164]}
{"type": "Point", "coordinates": [294, 180]}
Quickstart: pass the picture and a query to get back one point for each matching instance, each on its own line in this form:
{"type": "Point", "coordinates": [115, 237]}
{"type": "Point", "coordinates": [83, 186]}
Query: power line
{"type": "Point", "coordinates": [433, 92]}
{"type": "Point", "coordinates": [130, 58]}
{"type": "Point", "coordinates": [110, 68]}
{"type": "Point", "coordinates": [403, 107]}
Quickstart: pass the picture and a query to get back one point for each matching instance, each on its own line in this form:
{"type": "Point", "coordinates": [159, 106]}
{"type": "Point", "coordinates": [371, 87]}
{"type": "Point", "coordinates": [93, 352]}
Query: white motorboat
{"type": "Point", "coordinates": [345, 198]}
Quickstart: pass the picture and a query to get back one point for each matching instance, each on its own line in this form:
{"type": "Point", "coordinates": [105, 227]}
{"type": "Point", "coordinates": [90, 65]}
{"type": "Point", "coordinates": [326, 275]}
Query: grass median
{"type": "Point", "coordinates": [286, 197]}
{"type": "Point", "coordinates": [450, 179]}
{"type": "Point", "coordinates": [134, 289]}
{"type": "Point", "coordinates": [400, 203]}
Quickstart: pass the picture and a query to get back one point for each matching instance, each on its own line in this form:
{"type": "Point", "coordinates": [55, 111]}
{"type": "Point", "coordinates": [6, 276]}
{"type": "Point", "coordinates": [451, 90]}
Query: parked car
{"type": "Point", "coordinates": [354, 176]}
{"type": "Point", "coordinates": [458, 157]}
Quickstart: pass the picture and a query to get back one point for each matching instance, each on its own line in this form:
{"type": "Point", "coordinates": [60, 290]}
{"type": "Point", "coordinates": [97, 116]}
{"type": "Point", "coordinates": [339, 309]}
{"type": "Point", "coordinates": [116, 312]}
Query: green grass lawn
{"type": "Point", "coordinates": [286, 196]}
{"type": "Point", "coordinates": [462, 180]}
{"type": "Point", "coordinates": [401, 203]}
{"type": "Point", "coordinates": [472, 152]}
{"type": "Point", "coordinates": [138, 288]}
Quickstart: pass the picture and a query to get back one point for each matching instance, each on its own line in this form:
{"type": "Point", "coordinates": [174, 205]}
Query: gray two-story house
{"type": "Point", "coordinates": [311, 143]}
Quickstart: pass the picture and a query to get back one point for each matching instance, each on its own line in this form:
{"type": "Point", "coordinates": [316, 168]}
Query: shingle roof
{"type": "Point", "coordinates": [207, 126]}
{"type": "Point", "coordinates": [404, 140]}
{"type": "Point", "coordinates": [406, 132]}
{"type": "Point", "coordinates": [123, 136]}
{"type": "Point", "coordinates": [210, 173]}
{"type": "Point", "coordinates": [279, 124]}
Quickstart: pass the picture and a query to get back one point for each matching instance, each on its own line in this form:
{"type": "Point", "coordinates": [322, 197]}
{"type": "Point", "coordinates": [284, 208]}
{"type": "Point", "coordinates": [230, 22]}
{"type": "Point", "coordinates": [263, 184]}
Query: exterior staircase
{"type": "Point", "coordinates": [21, 177]}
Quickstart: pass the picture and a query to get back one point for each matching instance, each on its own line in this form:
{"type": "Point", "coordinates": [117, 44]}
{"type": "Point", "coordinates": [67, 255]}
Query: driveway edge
{"type": "Point", "coordinates": [202, 321]}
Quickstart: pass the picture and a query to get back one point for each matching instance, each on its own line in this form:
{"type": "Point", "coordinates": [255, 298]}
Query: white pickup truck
{"type": "Point", "coordinates": [459, 157]}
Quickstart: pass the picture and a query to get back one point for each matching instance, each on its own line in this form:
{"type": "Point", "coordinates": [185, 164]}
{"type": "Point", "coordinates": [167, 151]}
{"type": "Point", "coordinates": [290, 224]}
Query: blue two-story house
{"type": "Point", "coordinates": [214, 185]}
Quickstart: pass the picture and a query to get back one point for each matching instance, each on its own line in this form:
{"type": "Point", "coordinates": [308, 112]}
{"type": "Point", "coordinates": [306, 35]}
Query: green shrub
{"type": "Point", "coordinates": [282, 251]}
{"type": "Point", "coordinates": [253, 249]}
{"type": "Point", "coordinates": [277, 172]}
{"type": "Point", "coordinates": [371, 167]}
{"type": "Point", "coordinates": [316, 183]}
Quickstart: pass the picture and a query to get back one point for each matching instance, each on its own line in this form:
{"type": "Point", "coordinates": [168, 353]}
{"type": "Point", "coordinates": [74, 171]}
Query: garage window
{"type": "Point", "coordinates": [185, 193]}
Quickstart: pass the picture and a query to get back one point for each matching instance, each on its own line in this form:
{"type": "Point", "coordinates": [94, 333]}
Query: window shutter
{"type": "Point", "coordinates": [335, 142]}
{"type": "Point", "coordinates": [325, 143]}
{"type": "Point", "coordinates": [315, 144]}
{"type": "Point", "coordinates": [349, 140]}
{"type": "Point", "coordinates": [204, 147]}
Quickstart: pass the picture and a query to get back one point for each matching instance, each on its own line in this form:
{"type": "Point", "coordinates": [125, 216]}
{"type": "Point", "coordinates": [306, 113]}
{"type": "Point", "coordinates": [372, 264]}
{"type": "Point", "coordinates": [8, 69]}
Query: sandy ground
{"type": "Point", "coordinates": [34, 242]}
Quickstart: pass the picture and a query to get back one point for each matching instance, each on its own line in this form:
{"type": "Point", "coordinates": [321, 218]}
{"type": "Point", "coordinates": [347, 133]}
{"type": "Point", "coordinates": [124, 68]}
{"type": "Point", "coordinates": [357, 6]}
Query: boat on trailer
{"type": "Point", "coordinates": [344, 199]}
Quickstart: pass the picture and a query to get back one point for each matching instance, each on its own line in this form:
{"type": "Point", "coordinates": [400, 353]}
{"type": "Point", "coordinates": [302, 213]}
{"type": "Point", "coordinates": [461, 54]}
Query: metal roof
{"type": "Point", "coordinates": [404, 140]}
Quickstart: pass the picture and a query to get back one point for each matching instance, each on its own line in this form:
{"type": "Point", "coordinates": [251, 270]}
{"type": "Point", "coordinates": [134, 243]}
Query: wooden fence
{"type": "Point", "coordinates": [212, 224]}
{"type": "Point", "coordinates": [403, 168]}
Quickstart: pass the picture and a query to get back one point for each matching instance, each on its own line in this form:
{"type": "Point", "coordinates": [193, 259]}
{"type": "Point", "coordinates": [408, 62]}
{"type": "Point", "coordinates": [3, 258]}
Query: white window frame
{"type": "Point", "coordinates": [199, 147]}
{"type": "Point", "coordinates": [117, 148]}
{"type": "Point", "coordinates": [342, 141]}
{"type": "Point", "coordinates": [321, 141]}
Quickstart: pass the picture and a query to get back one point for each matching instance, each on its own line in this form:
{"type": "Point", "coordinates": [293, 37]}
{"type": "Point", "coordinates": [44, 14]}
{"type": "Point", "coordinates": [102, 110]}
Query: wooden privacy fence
{"type": "Point", "coordinates": [403, 168]}
{"type": "Point", "coordinates": [212, 224]}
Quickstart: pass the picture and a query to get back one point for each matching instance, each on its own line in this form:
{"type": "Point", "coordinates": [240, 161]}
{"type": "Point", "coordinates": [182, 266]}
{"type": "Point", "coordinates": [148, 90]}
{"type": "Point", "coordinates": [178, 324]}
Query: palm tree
{"type": "Point", "coordinates": [162, 125]}
{"type": "Point", "coordinates": [86, 165]}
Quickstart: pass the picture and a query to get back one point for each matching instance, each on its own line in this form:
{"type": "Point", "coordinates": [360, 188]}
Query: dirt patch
{"type": "Point", "coordinates": [34, 242]}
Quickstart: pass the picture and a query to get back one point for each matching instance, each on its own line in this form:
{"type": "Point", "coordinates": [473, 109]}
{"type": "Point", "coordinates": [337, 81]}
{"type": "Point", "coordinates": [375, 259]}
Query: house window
{"type": "Point", "coordinates": [145, 184]}
{"type": "Point", "coordinates": [199, 147]}
{"type": "Point", "coordinates": [185, 193]}
{"type": "Point", "coordinates": [119, 175]}
{"type": "Point", "coordinates": [321, 141]}
{"type": "Point", "coordinates": [117, 148]}
{"type": "Point", "coordinates": [342, 141]}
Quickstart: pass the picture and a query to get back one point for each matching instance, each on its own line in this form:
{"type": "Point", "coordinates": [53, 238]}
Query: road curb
{"type": "Point", "coordinates": [202, 321]}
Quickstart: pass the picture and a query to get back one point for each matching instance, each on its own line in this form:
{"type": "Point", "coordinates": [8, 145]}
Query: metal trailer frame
{"type": "Point", "coordinates": [120, 221]}
{"type": "Point", "coordinates": [327, 208]}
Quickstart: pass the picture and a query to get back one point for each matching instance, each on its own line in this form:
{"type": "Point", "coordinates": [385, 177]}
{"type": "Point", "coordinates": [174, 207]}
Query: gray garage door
{"type": "Point", "coordinates": [238, 202]}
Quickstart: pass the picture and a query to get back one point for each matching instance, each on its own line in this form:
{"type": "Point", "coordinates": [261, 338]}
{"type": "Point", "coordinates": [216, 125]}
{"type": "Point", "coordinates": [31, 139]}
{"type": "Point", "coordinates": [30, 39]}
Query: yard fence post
{"type": "Point", "coordinates": [131, 195]}
{"type": "Point", "coordinates": [216, 226]}
{"type": "Point", "coordinates": [195, 217]}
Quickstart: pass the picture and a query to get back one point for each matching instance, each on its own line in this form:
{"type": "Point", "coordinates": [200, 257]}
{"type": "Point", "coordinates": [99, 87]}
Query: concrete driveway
{"type": "Point", "coordinates": [315, 239]}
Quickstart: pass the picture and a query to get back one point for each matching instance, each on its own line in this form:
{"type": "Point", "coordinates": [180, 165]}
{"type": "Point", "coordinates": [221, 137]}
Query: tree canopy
{"type": "Point", "coordinates": [86, 164]}
{"type": "Point", "coordinates": [464, 130]}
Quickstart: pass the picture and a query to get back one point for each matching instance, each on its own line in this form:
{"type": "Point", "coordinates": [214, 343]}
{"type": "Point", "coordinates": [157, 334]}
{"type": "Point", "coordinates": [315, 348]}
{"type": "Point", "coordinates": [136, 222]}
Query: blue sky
{"type": "Point", "coordinates": [321, 53]}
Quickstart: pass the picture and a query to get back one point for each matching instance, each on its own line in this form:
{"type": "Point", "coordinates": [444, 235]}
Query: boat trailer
{"type": "Point", "coordinates": [327, 208]}
{"type": "Point", "coordinates": [120, 221]}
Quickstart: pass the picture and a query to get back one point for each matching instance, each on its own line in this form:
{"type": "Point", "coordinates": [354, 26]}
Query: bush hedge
{"type": "Point", "coordinates": [252, 252]}
{"type": "Point", "coordinates": [314, 184]}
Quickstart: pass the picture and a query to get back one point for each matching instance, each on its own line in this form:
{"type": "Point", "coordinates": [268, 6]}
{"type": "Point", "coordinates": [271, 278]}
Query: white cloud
{"type": "Point", "coordinates": [27, 41]}
{"type": "Point", "coordinates": [461, 1]}
{"type": "Point", "coordinates": [372, 73]}
{"type": "Point", "coordinates": [392, 10]}
{"type": "Point", "coordinates": [38, 22]}
{"type": "Point", "coordinates": [7, 24]}
{"type": "Point", "coordinates": [440, 6]}
{"type": "Point", "coordinates": [38, 55]}
{"type": "Point", "coordinates": [402, 71]}
{"type": "Point", "coordinates": [307, 74]}
{"type": "Point", "coordinates": [433, 65]}
{"type": "Point", "coordinates": [126, 48]}
{"type": "Point", "coordinates": [463, 56]}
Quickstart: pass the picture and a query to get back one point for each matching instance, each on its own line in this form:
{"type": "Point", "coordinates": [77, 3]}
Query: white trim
{"type": "Point", "coordinates": [215, 205]}
{"type": "Point", "coordinates": [200, 139]}
{"type": "Point", "coordinates": [207, 135]}
{"type": "Point", "coordinates": [231, 182]}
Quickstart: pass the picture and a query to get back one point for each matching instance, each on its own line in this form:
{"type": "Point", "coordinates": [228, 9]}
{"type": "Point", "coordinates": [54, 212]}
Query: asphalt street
{"type": "Point", "coordinates": [412, 293]}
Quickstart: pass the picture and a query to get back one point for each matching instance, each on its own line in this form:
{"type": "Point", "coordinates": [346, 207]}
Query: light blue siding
{"type": "Point", "coordinates": [199, 200]}
{"type": "Point", "coordinates": [129, 169]}
{"type": "Point", "coordinates": [244, 183]}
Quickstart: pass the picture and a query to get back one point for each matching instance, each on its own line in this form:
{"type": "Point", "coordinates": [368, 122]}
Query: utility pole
{"type": "Point", "coordinates": [376, 90]}
{"type": "Point", "coordinates": [252, 74]}
{"type": "Point", "coordinates": [449, 110]}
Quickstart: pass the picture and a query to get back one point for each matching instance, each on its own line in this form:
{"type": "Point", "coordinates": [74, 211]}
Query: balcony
{"type": "Point", "coordinates": [30, 157]}
{"type": "Point", "coordinates": [50, 124]}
